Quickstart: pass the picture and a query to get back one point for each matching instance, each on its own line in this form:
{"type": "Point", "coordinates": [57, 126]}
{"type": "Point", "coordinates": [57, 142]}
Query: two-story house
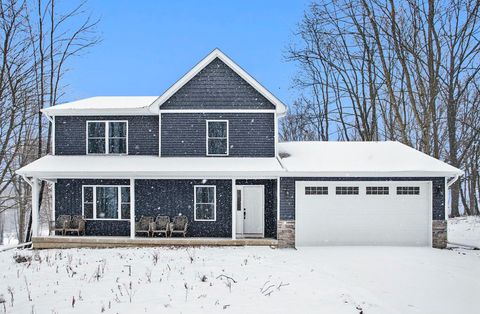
{"type": "Point", "coordinates": [208, 149]}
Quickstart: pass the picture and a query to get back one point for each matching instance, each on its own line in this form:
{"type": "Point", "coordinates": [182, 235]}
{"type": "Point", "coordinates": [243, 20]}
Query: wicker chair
{"type": "Point", "coordinates": [179, 225]}
{"type": "Point", "coordinates": [76, 224]}
{"type": "Point", "coordinates": [60, 224]}
{"type": "Point", "coordinates": [143, 225]}
{"type": "Point", "coordinates": [160, 225]}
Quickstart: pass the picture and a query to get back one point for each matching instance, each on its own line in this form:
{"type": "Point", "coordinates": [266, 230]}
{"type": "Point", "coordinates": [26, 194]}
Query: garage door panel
{"type": "Point", "coordinates": [362, 219]}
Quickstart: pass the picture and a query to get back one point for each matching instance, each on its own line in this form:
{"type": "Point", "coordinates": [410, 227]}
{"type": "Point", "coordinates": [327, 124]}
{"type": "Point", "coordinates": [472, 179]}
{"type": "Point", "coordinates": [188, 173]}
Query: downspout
{"type": "Point", "coordinates": [453, 180]}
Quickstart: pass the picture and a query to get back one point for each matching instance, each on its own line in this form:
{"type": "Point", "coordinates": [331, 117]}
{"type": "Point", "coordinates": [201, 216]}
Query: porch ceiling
{"type": "Point", "coordinates": [57, 167]}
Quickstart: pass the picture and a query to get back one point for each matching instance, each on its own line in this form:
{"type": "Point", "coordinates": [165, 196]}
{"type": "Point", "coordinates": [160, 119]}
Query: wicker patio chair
{"type": "Point", "coordinates": [61, 223]}
{"type": "Point", "coordinates": [143, 225]}
{"type": "Point", "coordinates": [160, 225]}
{"type": "Point", "coordinates": [179, 225]}
{"type": "Point", "coordinates": [77, 224]}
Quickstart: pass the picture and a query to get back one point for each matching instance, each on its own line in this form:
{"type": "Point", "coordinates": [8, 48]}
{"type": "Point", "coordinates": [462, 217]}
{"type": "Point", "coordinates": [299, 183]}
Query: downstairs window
{"type": "Point", "coordinates": [205, 203]}
{"type": "Point", "coordinates": [106, 202]}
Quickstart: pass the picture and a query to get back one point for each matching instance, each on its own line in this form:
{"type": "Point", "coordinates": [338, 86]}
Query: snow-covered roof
{"type": "Point", "coordinates": [120, 105]}
{"type": "Point", "coordinates": [51, 167]}
{"type": "Point", "coordinates": [360, 159]}
{"type": "Point", "coordinates": [149, 105]}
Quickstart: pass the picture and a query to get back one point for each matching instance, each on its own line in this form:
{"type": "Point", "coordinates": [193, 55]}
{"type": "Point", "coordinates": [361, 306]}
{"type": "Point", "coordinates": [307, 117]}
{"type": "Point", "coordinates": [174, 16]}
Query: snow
{"type": "Point", "coordinates": [105, 105]}
{"type": "Point", "coordinates": [148, 166]}
{"type": "Point", "coordinates": [464, 230]}
{"type": "Point", "coordinates": [374, 280]}
{"type": "Point", "coordinates": [369, 159]}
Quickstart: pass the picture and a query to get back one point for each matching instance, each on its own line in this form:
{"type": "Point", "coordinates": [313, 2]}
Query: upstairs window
{"type": "Point", "coordinates": [217, 138]}
{"type": "Point", "coordinates": [107, 137]}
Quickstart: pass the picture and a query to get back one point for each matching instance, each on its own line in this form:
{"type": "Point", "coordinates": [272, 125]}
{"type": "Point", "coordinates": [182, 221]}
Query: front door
{"type": "Point", "coordinates": [250, 210]}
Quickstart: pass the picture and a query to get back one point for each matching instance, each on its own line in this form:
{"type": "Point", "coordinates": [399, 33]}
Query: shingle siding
{"type": "Point", "coordinates": [70, 134]}
{"type": "Point", "coordinates": [217, 87]}
{"type": "Point", "coordinates": [174, 197]}
{"type": "Point", "coordinates": [250, 134]}
{"type": "Point", "coordinates": [287, 193]}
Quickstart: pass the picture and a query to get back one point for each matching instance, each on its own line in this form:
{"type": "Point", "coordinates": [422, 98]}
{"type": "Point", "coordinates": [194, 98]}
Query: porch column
{"type": "Point", "coordinates": [35, 204]}
{"type": "Point", "coordinates": [234, 211]}
{"type": "Point", "coordinates": [132, 208]}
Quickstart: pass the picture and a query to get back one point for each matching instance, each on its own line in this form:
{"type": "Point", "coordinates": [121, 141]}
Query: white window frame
{"type": "Point", "coordinates": [195, 202]}
{"type": "Point", "coordinates": [228, 136]}
{"type": "Point", "coordinates": [119, 195]}
{"type": "Point", "coordinates": [107, 137]}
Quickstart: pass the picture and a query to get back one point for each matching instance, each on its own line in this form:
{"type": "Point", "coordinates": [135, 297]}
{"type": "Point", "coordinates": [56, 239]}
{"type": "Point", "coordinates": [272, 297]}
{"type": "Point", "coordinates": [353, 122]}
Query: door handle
{"type": "Point", "coordinates": [244, 214]}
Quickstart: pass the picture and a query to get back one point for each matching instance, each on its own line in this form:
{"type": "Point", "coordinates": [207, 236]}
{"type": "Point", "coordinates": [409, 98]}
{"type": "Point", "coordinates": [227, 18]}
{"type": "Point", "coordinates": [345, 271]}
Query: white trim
{"type": "Point", "coordinates": [159, 134]}
{"type": "Point", "coordinates": [275, 127]}
{"type": "Point", "coordinates": [132, 208]}
{"type": "Point", "coordinates": [214, 202]}
{"type": "Point", "coordinates": [217, 111]}
{"type": "Point", "coordinates": [53, 136]}
{"type": "Point", "coordinates": [278, 202]}
{"type": "Point", "coordinates": [35, 206]}
{"type": "Point", "coordinates": [107, 137]}
{"type": "Point", "coordinates": [234, 209]}
{"type": "Point", "coordinates": [221, 138]}
{"type": "Point", "coordinates": [119, 200]}
{"type": "Point", "coordinates": [216, 53]}
{"type": "Point", "coordinates": [53, 184]}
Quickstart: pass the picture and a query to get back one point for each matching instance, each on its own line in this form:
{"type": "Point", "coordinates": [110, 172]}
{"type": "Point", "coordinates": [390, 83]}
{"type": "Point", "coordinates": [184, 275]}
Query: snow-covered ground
{"type": "Point", "coordinates": [464, 230]}
{"type": "Point", "coordinates": [242, 280]}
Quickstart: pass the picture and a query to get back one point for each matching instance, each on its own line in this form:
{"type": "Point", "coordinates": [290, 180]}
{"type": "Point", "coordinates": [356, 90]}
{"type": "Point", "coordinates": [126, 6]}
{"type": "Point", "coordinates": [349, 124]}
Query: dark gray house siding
{"type": "Point", "coordinates": [287, 193]}
{"type": "Point", "coordinates": [68, 201]}
{"type": "Point", "coordinates": [70, 134]}
{"type": "Point", "coordinates": [174, 197]}
{"type": "Point", "coordinates": [217, 87]}
{"type": "Point", "coordinates": [270, 204]}
{"type": "Point", "coordinates": [250, 134]}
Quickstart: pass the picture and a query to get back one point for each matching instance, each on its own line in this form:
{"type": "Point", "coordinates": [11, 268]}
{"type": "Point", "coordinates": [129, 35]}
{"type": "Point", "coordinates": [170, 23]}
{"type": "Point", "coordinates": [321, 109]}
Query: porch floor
{"type": "Point", "coordinates": [58, 242]}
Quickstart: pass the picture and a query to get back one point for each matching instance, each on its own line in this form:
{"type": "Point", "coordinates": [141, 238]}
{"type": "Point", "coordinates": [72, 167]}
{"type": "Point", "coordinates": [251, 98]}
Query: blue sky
{"type": "Point", "coordinates": [147, 45]}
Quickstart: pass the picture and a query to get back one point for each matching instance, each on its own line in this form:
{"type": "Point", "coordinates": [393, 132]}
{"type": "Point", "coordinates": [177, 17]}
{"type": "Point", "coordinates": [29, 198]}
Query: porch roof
{"type": "Point", "coordinates": [57, 167]}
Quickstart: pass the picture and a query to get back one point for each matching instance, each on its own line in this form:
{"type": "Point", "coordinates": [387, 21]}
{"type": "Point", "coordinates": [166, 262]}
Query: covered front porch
{"type": "Point", "coordinates": [226, 206]}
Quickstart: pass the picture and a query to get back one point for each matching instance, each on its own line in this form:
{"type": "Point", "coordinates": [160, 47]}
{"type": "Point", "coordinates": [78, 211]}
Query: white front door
{"type": "Point", "coordinates": [250, 210]}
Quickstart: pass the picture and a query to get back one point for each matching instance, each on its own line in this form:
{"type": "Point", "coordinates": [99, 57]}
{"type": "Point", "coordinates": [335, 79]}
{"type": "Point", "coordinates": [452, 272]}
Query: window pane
{"type": "Point", "coordinates": [117, 146]}
{"type": "Point", "coordinates": [107, 202]}
{"type": "Point", "coordinates": [217, 146]}
{"type": "Point", "coordinates": [88, 210]}
{"type": "Point", "coordinates": [125, 211]}
{"type": "Point", "coordinates": [96, 129]}
{"type": "Point", "coordinates": [117, 129]}
{"type": "Point", "coordinates": [217, 129]}
{"type": "Point", "coordinates": [205, 195]}
{"type": "Point", "coordinates": [125, 194]}
{"type": "Point", "coordinates": [96, 146]}
{"type": "Point", "coordinates": [205, 212]}
{"type": "Point", "coordinates": [88, 194]}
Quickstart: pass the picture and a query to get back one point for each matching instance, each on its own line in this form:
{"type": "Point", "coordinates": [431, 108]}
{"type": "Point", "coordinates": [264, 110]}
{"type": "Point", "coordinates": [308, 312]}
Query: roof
{"type": "Point", "coordinates": [360, 159]}
{"type": "Point", "coordinates": [149, 105]}
{"type": "Point", "coordinates": [216, 53]}
{"type": "Point", "coordinates": [88, 166]}
{"type": "Point", "coordinates": [123, 105]}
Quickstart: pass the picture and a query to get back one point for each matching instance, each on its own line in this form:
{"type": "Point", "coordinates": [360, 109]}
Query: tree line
{"type": "Point", "coordinates": [408, 71]}
{"type": "Point", "coordinates": [37, 40]}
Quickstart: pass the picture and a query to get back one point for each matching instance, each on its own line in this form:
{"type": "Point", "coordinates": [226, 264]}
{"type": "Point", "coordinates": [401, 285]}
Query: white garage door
{"type": "Point", "coordinates": [362, 213]}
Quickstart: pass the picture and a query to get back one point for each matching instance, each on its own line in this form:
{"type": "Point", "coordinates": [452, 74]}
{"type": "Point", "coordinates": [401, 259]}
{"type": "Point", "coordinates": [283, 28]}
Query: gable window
{"type": "Point", "coordinates": [377, 190]}
{"type": "Point", "coordinates": [346, 190]}
{"type": "Point", "coordinates": [217, 137]}
{"type": "Point", "coordinates": [316, 190]}
{"type": "Point", "coordinates": [106, 202]}
{"type": "Point", "coordinates": [107, 137]}
{"type": "Point", "coordinates": [408, 190]}
{"type": "Point", "coordinates": [205, 203]}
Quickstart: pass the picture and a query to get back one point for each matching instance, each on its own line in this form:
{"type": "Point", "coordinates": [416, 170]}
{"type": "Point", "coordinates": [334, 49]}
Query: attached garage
{"type": "Point", "coordinates": [363, 213]}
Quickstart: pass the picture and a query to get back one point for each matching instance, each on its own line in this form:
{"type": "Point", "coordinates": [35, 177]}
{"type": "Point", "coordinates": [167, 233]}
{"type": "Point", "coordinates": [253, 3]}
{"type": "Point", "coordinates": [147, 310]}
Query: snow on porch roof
{"type": "Point", "coordinates": [124, 105]}
{"type": "Point", "coordinates": [360, 159]}
{"type": "Point", "coordinates": [52, 167]}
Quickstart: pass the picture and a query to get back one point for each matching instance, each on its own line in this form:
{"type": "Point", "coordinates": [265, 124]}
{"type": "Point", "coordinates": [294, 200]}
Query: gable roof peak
{"type": "Point", "coordinates": [217, 53]}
